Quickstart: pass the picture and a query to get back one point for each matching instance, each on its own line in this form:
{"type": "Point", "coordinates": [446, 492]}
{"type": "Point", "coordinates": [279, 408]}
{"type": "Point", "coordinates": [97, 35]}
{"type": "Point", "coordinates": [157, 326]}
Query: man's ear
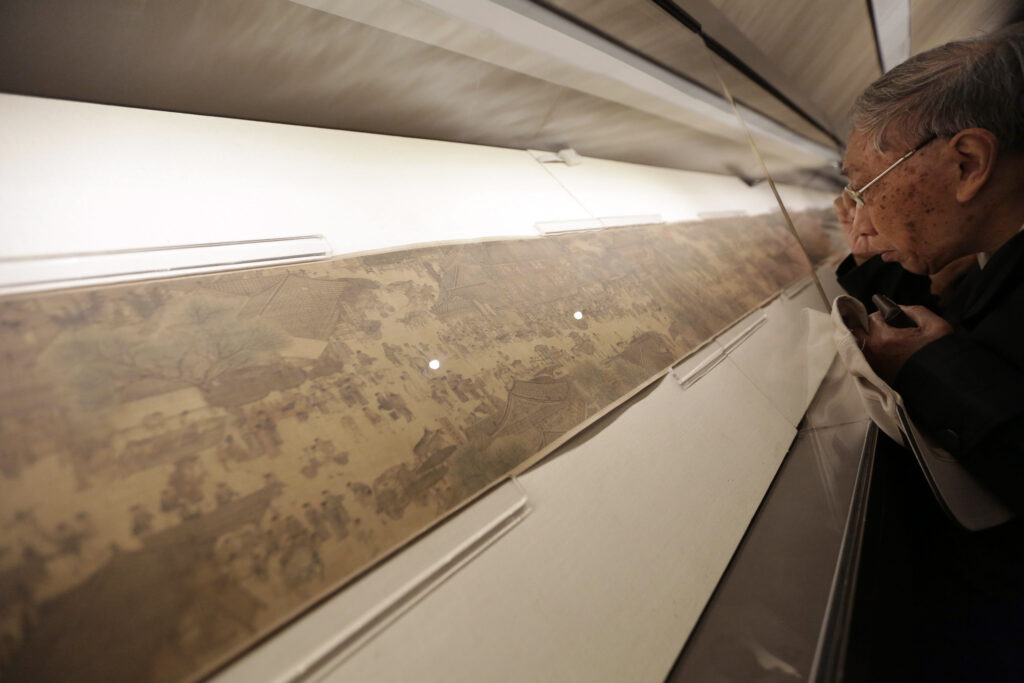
{"type": "Point", "coordinates": [976, 150]}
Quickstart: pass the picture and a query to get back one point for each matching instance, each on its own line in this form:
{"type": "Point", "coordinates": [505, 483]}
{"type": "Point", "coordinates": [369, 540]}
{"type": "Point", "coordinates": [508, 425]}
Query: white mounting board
{"type": "Point", "coordinates": [626, 541]}
{"type": "Point", "coordinates": [336, 629]}
{"type": "Point", "coordinates": [787, 359]}
{"type": "Point", "coordinates": [627, 538]}
{"type": "Point", "coordinates": [79, 177]}
{"type": "Point", "coordinates": [35, 273]}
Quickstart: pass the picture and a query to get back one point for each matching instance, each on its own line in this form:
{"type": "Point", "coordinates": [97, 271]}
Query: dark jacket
{"type": "Point", "coordinates": [967, 389]}
{"type": "Point", "coordinates": [875, 276]}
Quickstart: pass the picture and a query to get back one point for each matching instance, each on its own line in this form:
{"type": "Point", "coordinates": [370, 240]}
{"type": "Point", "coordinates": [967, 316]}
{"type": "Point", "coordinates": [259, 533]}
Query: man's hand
{"type": "Point", "coordinates": [888, 348]}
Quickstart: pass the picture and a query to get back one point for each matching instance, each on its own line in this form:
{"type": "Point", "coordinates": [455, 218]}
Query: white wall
{"type": "Point", "coordinates": [80, 177]}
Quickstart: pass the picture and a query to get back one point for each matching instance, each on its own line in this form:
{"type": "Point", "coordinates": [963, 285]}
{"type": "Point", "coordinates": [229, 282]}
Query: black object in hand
{"type": "Point", "coordinates": [892, 314]}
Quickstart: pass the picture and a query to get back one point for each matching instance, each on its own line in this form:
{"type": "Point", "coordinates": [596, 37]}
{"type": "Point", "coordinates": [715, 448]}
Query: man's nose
{"type": "Point", "coordinates": [862, 224]}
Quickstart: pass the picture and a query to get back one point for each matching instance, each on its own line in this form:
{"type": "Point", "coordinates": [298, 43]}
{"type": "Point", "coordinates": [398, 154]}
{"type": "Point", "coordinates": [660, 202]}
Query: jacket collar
{"type": "Point", "coordinates": [1005, 267]}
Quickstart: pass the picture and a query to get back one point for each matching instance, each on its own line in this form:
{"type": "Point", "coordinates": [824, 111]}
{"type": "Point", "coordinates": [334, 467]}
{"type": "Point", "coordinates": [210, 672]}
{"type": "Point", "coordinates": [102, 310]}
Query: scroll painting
{"type": "Point", "coordinates": [187, 464]}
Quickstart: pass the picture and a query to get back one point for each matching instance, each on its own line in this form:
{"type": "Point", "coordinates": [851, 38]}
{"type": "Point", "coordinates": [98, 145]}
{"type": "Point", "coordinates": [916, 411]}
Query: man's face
{"type": "Point", "coordinates": [912, 210]}
{"type": "Point", "coordinates": [861, 235]}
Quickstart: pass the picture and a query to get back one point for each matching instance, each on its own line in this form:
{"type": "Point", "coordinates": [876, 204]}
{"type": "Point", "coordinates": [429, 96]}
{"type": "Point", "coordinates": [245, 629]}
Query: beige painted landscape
{"type": "Point", "coordinates": [186, 464]}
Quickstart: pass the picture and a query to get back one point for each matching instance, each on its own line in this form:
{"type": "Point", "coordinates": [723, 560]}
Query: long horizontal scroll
{"type": "Point", "coordinates": [186, 464]}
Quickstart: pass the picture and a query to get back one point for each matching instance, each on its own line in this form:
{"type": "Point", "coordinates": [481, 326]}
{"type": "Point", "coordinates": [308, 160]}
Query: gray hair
{"type": "Point", "coordinates": [976, 83]}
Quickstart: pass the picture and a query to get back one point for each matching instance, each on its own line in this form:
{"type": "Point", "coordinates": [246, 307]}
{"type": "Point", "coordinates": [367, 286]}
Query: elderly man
{"type": "Point", "coordinates": [936, 169]}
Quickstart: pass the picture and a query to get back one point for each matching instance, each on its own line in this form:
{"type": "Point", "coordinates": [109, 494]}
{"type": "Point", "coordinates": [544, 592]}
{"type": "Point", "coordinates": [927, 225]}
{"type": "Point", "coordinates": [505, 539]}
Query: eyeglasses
{"type": "Point", "coordinates": [858, 195]}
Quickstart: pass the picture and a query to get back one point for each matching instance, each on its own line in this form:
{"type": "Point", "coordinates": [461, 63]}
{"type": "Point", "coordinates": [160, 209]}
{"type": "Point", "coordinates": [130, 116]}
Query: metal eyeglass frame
{"type": "Point", "coordinates": [858, 195]}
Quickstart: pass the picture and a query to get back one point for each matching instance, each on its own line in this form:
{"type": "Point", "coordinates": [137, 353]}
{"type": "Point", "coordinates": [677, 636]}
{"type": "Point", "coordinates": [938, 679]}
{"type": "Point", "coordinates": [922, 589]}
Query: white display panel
{"type": "Point", "coordinates": [334, 631]}
{"type": "Point", "coordinates": [787, 358]}
{"type": "Point", "coordinates": [628, 535]}
{"type": "Point", "coordinates": [626, 541]}
{"type": "Point", "coordinates": [616, 188]}
{"type": "Point", "coordinates": [37, 273]}
{"type": "Point", "coordinates": [80, 177]}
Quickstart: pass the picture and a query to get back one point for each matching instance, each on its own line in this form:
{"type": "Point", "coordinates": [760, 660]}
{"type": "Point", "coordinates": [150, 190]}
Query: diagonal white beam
{"type": "Point", "coordinates": [545, 32]}
{"type": "Point", "coordinates": [892, 31]}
